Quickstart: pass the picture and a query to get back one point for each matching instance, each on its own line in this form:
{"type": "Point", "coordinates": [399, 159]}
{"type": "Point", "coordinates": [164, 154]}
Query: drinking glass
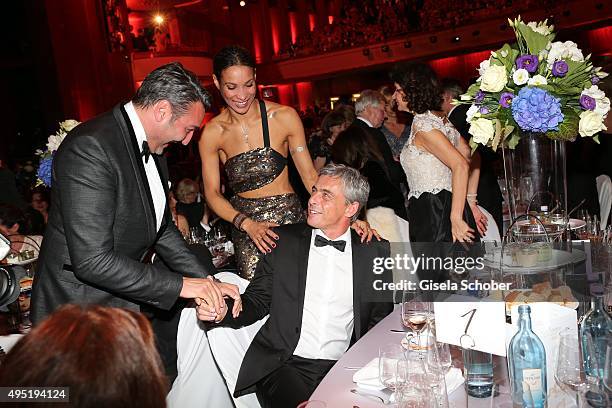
{"type": "Point", "coordinates": [479, 376]}
{"type": "Point", "coordinates": [570, 374]}
{"type": "Point", "coordinates": [434, 369]}
{"type": "Point", "coordinates": [389, 356]}
{"type": "Point", "coordinates": [416, 311]}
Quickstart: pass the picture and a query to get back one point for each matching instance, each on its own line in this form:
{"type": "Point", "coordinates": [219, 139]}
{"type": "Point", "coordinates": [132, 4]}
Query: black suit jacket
{"type": "Point", "coordinates": [393, 167]}
{"type": "Point", "coordinates": [102, 224]}
{"type": "Point", "coordinates": [278, 289]}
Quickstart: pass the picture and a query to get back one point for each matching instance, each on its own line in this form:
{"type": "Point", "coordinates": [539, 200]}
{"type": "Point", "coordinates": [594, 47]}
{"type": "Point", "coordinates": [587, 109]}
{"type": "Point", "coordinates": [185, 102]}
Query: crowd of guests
{"type": "Point", "coordinates": [375, 21]}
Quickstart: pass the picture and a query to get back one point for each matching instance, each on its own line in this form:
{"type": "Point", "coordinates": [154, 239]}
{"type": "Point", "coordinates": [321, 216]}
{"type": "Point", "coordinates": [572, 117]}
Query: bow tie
{"type": "Point", "coordinates": [321, 241]}
{"type": "Point", "coordinates": [145, 151]}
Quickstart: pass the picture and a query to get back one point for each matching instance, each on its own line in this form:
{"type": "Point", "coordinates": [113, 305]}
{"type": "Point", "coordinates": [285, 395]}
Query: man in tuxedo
{"type": "Point", "coordinates": [317, 288]}
{"type": "Point", "coordinates": [109, 208]}
{"type": "Point", "coordinates": [489, 195]}
{"type": "Point", "coordinates": [370, 115]}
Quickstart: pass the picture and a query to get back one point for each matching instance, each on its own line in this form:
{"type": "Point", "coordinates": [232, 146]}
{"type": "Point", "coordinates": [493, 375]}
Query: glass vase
{"type": "Point", "coordinates": [535, 175]}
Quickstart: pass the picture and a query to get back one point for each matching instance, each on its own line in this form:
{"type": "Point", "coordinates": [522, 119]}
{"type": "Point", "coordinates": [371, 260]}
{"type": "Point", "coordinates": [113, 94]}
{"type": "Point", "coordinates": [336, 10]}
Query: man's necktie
{"type": "Point", "coordinates": [321, 241]}
{"type": "Point", "coordinates": [145, 151]}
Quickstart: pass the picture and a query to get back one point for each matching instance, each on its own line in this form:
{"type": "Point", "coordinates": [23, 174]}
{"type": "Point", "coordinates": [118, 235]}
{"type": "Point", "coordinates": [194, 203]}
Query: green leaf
{"type": "Point", "coordinates": [536, 42]}
{"type": "Point", "coordinates": [596, 139]}
{"type": "Point", "coordinates": [568, 129]}
{"type": "Point", "coordinates": [514, 139]}
{"type": "Point", "coordinates": [473, 89]}
{"type": "Point", "coordinates": [473, 145]}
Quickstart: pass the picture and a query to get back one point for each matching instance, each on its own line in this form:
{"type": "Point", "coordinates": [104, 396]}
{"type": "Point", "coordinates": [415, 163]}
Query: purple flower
{"type": "Point", "coordinates": [44, 170]}
{"type": "Point", "coordinates": [560, 68]}
{"type": "Point", "coordinates": [479, 97]}
{"type": "Point", "coordinates": [587, 102]}
{"type": "Point", "coordinates": [528, 62]}
{"type": "Point", "coordinates": [484, 110]}
{"type": "Point", "coordinates": [506, 99]}
{"type": "Point", "coordinates": [595, 80]}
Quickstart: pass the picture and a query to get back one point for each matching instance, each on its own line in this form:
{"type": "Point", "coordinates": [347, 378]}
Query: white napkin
{"type": "Point", "coordinates": [367, 377]}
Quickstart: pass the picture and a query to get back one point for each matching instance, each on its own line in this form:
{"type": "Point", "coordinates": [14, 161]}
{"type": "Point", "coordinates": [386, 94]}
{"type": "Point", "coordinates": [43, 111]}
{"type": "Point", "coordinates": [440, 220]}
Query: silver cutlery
{"type": "Point", "coordinates": [372, 396]}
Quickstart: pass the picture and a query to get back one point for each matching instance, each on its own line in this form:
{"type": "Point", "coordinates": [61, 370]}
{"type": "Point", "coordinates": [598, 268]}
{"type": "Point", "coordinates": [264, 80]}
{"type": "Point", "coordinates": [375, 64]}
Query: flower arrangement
{"type": "Point", "coordinates": [535, 85]}
{"type": "Point", "coordinates": [46, 157]}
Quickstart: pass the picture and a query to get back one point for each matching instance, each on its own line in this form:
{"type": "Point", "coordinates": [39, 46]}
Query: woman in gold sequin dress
{"type": "Point", "coordinates": [252, 139]}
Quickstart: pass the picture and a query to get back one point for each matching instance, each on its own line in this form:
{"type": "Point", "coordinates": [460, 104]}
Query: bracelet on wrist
{"type": "Point", "coordinates": [238, 221]}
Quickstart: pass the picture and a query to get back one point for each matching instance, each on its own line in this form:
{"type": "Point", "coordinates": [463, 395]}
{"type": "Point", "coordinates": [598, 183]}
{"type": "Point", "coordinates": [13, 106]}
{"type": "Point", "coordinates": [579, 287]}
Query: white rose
{"type": "Point", "coordinates": [537, 80]}
{"type": "Point", "coordinates": [602, 103]}
{"type": "Point", "coordinates": [563, 50]}
{"type": "Point", "coordinates": [69, 124]}
{"type": "Point", "coordinates": [484, 65]}
{"type": "Point", "coordinates": [520, 76]}
{"type": "Point", "coordinates": [494, 79]}
{"type": "Point", "coordinates": [590, 123]}
{"type": "Point", "coordinates": [54, 141]}
{"type": "Point", "coordinates": [482, 130]}
{"type": "Point", "coordinates": [471, 113]}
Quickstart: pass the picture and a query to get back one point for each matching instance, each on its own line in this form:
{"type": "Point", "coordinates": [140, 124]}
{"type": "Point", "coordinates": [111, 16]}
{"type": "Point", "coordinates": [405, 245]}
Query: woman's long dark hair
{"type": "Point", "coordinates": [420, 85]}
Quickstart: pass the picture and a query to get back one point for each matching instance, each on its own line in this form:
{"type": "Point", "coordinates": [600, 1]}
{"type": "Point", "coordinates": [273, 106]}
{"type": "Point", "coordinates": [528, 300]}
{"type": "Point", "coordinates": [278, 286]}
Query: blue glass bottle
{"type": "Point", "coordinates": [527, 359]}
{"type": "Point", "coordinates": [598, 324]}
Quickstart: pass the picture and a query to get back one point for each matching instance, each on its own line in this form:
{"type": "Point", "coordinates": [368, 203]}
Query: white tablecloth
{"type": "Point", "coordinates": [335, 388]}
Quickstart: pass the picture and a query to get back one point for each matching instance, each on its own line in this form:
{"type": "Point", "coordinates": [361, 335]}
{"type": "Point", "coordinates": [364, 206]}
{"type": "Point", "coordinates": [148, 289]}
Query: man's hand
{"type": "Point", "coordinates": [209, 296]}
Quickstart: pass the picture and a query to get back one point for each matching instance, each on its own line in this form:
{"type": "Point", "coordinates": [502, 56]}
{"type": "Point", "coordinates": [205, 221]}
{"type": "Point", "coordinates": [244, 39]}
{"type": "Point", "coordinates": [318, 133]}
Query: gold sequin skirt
{"type": "Point", "coordinates": [281, 209]}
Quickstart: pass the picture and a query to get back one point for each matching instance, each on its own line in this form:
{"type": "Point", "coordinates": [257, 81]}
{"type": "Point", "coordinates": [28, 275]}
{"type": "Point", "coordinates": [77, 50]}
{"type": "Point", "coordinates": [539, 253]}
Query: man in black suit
{"type": "Point", "coordinates": [489, 195]}
{"type": "Point", "coordinates": [317, 288]}
{"type": "Point", "coordinates": [109, 208]}
{"type": "Point", "coordinates": [370, 112]}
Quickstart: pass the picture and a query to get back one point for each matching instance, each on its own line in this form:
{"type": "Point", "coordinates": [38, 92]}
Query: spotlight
{"type": "Point", "coordinates": [158, 19]}
{"type": "Point", "coordinates": [433, 39]}
{"type": "Point", "coordinates": [242, 3]}
{"type": "Point", "coordinates": [476, 33]}
{"type": "Point", "coordinates": [365, 52]}
{"type": "Point", "coordinates": [384, 48]}
{"type": "Point", "coordinates": [456, 39]}
{"type": "Point", "coordinates": [407, 44]}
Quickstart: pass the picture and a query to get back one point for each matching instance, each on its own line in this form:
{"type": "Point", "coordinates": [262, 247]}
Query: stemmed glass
{"type": "Point", "coordinates": [389, 356]}
{"type": "Point", "coordinates": [416, 311]}
{"type": "Point", "coordinates": [570, 374]}
{"type": "Point", "coordinates": [435, 364]}
{"type": "Point", "coordinates": [409, 391]}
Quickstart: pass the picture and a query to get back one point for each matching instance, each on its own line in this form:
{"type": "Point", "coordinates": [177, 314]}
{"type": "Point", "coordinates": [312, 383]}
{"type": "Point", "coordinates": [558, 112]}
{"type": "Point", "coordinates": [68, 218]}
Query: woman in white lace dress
{"type": "Point", "coordinates": [435, 160]}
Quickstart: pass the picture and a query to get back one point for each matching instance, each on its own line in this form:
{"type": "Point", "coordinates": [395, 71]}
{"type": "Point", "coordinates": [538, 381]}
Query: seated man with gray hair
{"type": "Point", "coordinates": [317, 287]}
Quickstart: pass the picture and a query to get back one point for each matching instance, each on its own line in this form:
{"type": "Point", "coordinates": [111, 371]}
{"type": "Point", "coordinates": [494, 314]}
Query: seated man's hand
{"type": "Point", "coordinates": [203, 312]}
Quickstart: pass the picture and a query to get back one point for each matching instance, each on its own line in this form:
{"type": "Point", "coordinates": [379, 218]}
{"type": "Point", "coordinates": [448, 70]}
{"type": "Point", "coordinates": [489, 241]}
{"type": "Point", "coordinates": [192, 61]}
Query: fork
{"type": "Point", "coordinates": [370, 396]}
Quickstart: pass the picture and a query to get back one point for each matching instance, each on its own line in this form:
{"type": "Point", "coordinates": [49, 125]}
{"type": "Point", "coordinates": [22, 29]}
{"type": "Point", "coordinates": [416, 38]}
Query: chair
{"type": "Point", "coordinates": [604, 191]}
{"type": "Point", "coordinates": [492, 233]}
{"type": "Point", "coordinates": [230, 345]}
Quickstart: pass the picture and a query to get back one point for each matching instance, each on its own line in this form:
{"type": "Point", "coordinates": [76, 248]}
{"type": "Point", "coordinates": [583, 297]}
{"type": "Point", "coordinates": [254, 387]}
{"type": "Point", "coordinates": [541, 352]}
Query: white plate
{"type": "Point", "coordinates": [559, 259]}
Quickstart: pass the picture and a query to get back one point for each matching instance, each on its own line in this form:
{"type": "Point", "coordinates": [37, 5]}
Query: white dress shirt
{"type": "Point", "coordinates": [327, 321]}
{"type": "Point", "coordinates": [155, 184]}
{"type": "Point", "coordinates": [367, 122]}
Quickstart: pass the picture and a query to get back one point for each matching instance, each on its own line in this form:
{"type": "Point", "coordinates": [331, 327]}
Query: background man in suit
{"type": "Point", "coordinates": [319, 307]}
{"type": "Point", "coordinates": [109, 208]}
{"type": "Point", "coordinates": [370, 112]}
{"type": "Point", "coordinates": [485, 159]}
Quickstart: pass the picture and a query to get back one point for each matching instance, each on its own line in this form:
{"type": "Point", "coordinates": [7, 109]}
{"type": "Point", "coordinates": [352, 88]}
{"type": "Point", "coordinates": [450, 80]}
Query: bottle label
{"type": "Point", "coordinates": [532, 387]}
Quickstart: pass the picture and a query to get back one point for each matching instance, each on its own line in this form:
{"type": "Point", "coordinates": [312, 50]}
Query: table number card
{"type": "Point", "coordinates": [479, 325]}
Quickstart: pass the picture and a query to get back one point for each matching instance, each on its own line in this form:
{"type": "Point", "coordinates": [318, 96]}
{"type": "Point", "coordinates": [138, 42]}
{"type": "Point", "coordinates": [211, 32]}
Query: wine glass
{"type": "Point", "coordinates": [389, 355]}
{"type": "Point", "coordinates": [416, 311]}
{"type": "Point", "coordinates": [435, 368]}
{"type": "Point", "coordinates": [409, 392]}
{"type": "Point", "coordinates": [570, 374]}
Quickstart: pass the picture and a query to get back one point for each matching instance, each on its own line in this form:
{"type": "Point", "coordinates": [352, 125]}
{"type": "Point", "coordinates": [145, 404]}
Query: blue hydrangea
{"type": "Point", "coordinates": [44, 170]}
{"type": "Point", "coordinates": [536, 110]}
